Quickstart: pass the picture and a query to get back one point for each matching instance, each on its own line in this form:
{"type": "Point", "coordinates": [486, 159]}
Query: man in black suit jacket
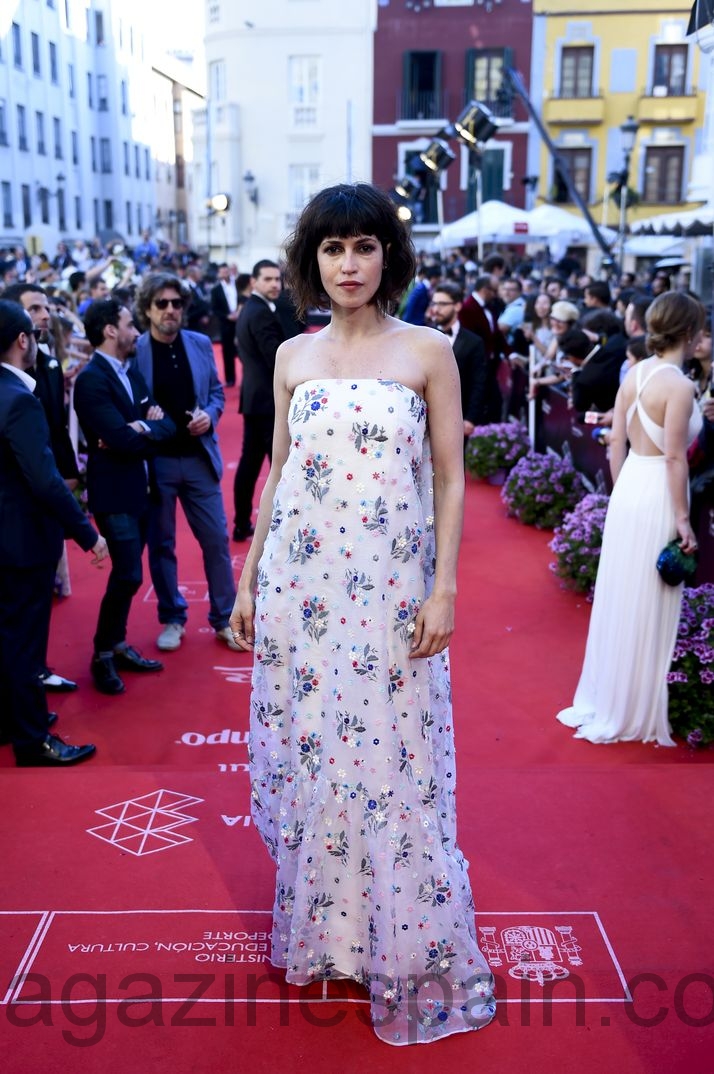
{"type": "Point", "coordinates": [119, 421]}
{"type": "Point", "coordinates": [259, 335]}
{"type": "Point", "coordinates": [477, 316]}
{"type": "Point", "coordinates": [469, 352]}
{"type": "Point", "coordinates": [224, 303]}
{"type": "Point", "coordinates": [38, 510]}
{"type": "Point", "coordinates": [49, 389]}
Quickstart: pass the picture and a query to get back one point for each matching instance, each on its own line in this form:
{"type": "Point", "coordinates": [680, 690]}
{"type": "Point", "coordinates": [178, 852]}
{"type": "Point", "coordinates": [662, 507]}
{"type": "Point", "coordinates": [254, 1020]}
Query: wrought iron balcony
{"type": "Point", "coordinates": [427, 105]}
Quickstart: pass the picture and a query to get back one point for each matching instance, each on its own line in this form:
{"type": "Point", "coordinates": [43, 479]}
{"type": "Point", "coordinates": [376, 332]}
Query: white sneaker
{"type": "Point", "coordinates": [170, 637]}
{"type": "Point", "coordinates": [226, 635]}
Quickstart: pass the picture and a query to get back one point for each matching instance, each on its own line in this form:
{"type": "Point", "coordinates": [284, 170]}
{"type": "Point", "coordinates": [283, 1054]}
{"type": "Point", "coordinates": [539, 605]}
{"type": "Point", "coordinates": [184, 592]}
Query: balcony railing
{"type": "Point", "coordinates": [431, 104]}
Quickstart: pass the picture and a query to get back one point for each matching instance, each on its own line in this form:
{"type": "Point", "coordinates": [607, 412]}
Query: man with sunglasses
{"type": "Point", "coordinates": [180, 370]}
{"type": "Point", "coordinates": [42, 509]}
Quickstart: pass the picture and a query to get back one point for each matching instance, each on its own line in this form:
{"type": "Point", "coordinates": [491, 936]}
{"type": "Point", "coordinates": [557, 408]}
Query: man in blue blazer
{"type": "Point", "coordinates": [37, 511]}
{"type": "Point", "coordinates": [121, 424]}
{"type": "Point", "coordinates": [180, 371]}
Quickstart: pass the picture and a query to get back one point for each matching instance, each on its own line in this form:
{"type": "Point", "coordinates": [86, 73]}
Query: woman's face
{"type": "Point", "coordinates": [559, 326]}
{"type": "Point", "coordinates": [350, 269]}
{"type": "Point", "coordinates": [542, 306]}
{"type": "Point", "coordinates": [703, 349]}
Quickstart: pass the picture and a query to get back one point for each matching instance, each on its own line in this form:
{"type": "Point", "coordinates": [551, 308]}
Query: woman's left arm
{"type": "Point", "coordinates": [435, 622]}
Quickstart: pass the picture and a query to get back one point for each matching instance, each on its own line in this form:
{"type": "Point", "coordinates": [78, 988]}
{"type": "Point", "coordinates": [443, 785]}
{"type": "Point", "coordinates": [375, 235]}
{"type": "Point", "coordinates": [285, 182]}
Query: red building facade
{"type": "Point", "coordinates": [431, 58]}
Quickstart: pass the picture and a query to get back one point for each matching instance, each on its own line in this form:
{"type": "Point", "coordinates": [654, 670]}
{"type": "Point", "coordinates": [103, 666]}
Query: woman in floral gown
{"type": "Point", "coordinates": [347, 599]}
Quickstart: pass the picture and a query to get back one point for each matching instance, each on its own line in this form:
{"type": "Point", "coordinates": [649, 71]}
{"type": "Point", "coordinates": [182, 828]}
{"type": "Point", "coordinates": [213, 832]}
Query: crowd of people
{"type": "Point", "coordinates": [348, 590]}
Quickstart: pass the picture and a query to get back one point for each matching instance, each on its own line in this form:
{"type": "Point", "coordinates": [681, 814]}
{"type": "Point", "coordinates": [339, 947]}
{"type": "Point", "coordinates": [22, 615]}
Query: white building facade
{"type": "Point", "coordinates": [77, 123]}
{"type": "Point", "coordinates": [289, 110]}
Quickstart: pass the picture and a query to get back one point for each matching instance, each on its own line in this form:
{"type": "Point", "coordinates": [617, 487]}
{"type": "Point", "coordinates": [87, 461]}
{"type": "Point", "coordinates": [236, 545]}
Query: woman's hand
{"type": "Point", "coordinates": [687, 542]}
{"type": "Point", "coordinates": [242, 621]}
{"type": "Point", "coordinates": [433, 627]}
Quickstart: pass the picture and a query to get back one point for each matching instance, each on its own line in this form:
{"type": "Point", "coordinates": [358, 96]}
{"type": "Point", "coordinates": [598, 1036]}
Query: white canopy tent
{"type": "Point", "coordinates": [667, 222]}
{"type": "Point", "coordinates": [503, 223]}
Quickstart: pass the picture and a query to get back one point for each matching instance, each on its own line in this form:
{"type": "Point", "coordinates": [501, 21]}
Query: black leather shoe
{"type": "Point", "coordinates": [56, 683]}
{"type": "Point", "coordinates": [105, 675]}
{"type": "Point", "coordinates": [240, 534]}
{"type": "Point", "coordinates": [52, 751]}
{"type": "Point", "coordinates": [130, 659]}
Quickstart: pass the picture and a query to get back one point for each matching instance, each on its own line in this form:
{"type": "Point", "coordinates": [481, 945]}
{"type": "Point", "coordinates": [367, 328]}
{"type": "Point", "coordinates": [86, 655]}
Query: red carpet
{"type": "Point", "coordinates": [139, 875]}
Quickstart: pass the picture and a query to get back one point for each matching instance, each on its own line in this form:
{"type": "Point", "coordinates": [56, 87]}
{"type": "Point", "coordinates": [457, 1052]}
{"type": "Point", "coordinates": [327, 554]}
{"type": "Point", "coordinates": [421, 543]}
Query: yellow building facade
{"type": "Point", "coordinates": [593, 69]}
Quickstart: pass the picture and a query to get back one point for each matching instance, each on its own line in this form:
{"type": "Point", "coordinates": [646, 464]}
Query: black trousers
{"type": "Point", "coordinates": [228, 346]}
{"type": "Point", "coordinates": [257, 446]}
{"type": "Point", "coordinates": [125, 536]}
{"type": "Point", "coordinates": [25, 606]}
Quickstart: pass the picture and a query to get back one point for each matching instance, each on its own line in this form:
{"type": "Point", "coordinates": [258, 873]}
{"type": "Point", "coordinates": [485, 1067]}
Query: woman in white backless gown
{"type": "Point", "coordinates": [622, 693]}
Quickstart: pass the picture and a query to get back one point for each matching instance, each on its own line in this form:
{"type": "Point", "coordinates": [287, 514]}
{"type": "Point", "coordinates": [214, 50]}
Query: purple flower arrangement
{"type": "Point", "coordinates": [691, 675]}
{"type": "Point", "coordinates": [80, 493]}
{"type": "Point", "coordinates": [495, 447]}
{"type": "Point", "coordinates": [577, 542]}
{"type": "Point", "coordinates": [541, 489]}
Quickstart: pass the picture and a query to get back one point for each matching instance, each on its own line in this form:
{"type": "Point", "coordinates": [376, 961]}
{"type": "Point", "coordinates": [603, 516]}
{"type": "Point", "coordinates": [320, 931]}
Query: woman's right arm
{"type": "Point", "coordinates": [676, 424]}
{"type": "Point", "coordinates": [243, 614]}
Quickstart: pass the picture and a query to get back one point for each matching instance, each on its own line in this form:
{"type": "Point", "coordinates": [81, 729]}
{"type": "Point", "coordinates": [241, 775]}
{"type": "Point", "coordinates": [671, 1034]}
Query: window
{"type": "Point", "coordinates": [3, 123]}
{"type": "Point", "coordinates": [108, 214]}
{"type": "Point", "coordinates": [26, 205]}
{"type": "Point", "coordinates": [102, 93]}
{"type": "Point", "coordinates": [97, 224]}
{"type": "Point", "coordinates": [66, 13]}
{"type": "Point", "coordinates": [670, 71]}
{"type": "Point", "coordinates": [139, 218]}
{"type": "Point", "coordinates": [21, 127]}
{"type": "Point", "coordinates": [664, 167]}
{"type": "Point", "coordinates": [35, 49]}
{"type": "Point", "coordinates": [124, 99]}
{"type": "Point", "coordinates": [485, 81]}
{"type": "Point", "coordinates": [93, 152]}
{"type": "Point", "coordinates": [576, 72]}
{"type": "Point", "coordinates": [40, 128]}
{"type": "Point", "coordinates": [61, 213]}
{"type": "Point", "coordinates": [147, 165]}
{"type": "Point", "coordinates": [129, 219]}
{"type": "Point", "coordinates": [303, 182]}
{"type": "Point", "coordinates": [70, 79]}
{"type": "Point", "coordinates": [54, 69]}
{"type": "Point", "coordinates": [90, 89]}
{"type": "Point", "coordinates": [78, 212]}
{"type": "Point", "coordinates": [44, 197]}
{"type": "Point", "coordinates": [16, 45]}
{"type": "Point", "coordinates": [99, 27]}
{"type": "Point", "coordinates": [127, 162]}
{"type": "Point", "coordinates": [57, 138]}
{"type": "Point", "coordinates": [217, 80]}
{"type": "Point", "coordinates": [7, 205]}
{"type": "Point", "coordinates": [137, 165]}
{"type": "Point", "coordinates": [304, 89]}
{"type": "Point", "coordinates": [105, 155]}
{"type": "Point", "coordinates": [180, 172]}
{"type": "Point", "coordinates": [421, 86]}
{"type": "Point", "coordinates": [579, 163]}
{"type": "Point", "coordinates": [75, 147]}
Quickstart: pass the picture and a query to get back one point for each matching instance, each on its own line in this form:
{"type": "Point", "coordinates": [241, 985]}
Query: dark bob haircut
{"type": "Point", "coordinates": [345, 211]}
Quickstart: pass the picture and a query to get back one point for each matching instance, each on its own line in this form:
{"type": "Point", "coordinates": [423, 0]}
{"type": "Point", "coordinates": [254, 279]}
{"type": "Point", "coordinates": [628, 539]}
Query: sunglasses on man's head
{"type": "Point", "coordinates": [164, 303]}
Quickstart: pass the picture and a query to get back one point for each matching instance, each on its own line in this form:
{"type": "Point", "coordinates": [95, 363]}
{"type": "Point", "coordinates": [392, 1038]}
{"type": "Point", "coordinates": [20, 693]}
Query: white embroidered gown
{"type": "Point", "coordinates": [352, 758]}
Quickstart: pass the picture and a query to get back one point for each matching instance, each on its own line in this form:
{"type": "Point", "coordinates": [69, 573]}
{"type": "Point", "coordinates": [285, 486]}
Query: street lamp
{"type": "Point", "coordinates": [628, 131]}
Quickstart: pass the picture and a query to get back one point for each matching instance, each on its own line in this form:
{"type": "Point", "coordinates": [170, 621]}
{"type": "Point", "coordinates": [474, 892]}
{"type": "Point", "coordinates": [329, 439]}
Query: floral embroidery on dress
{"type": "Point", "coordinates": [351, 743]}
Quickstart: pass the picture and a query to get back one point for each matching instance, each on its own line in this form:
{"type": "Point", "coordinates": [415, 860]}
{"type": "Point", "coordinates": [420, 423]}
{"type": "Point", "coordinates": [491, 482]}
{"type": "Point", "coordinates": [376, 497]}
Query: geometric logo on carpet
{"type": "Point", "coordinates": [535, 953]}
{"type": "Point", "coordinates": [147, 824]}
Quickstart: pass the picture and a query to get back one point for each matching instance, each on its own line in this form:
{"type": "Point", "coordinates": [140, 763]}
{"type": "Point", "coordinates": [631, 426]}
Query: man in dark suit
{"type": "Point", "coordinates": [469, 352]}
{"type": "Point", "coordinates": [259, 336]}
{"type": "Point", "coordinates": [180, 369]}
{"type": "Point", "coordinates": [224, 303]}
{"type": "Point", "coordinates": [198, 308]}
{"type": "Point", "coordinates": [478, 318]}
{"type": "Point", "coordinates": [121, 423]}
{"type": "Point", "coordinates": [50, 390]}
{"type": "Point", "coordinates": [41, 510]}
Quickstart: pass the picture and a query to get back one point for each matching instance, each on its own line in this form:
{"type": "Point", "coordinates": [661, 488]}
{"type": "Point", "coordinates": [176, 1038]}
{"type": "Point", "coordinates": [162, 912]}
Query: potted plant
{"type": "Point", "coordinates": [541, 489]}
{"type": "Point", "coordinates": [495, 449]}
{"type": "Point", "coordinates": [690, 677]}
{"type": "Point", "coordinates": [577, 542]}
